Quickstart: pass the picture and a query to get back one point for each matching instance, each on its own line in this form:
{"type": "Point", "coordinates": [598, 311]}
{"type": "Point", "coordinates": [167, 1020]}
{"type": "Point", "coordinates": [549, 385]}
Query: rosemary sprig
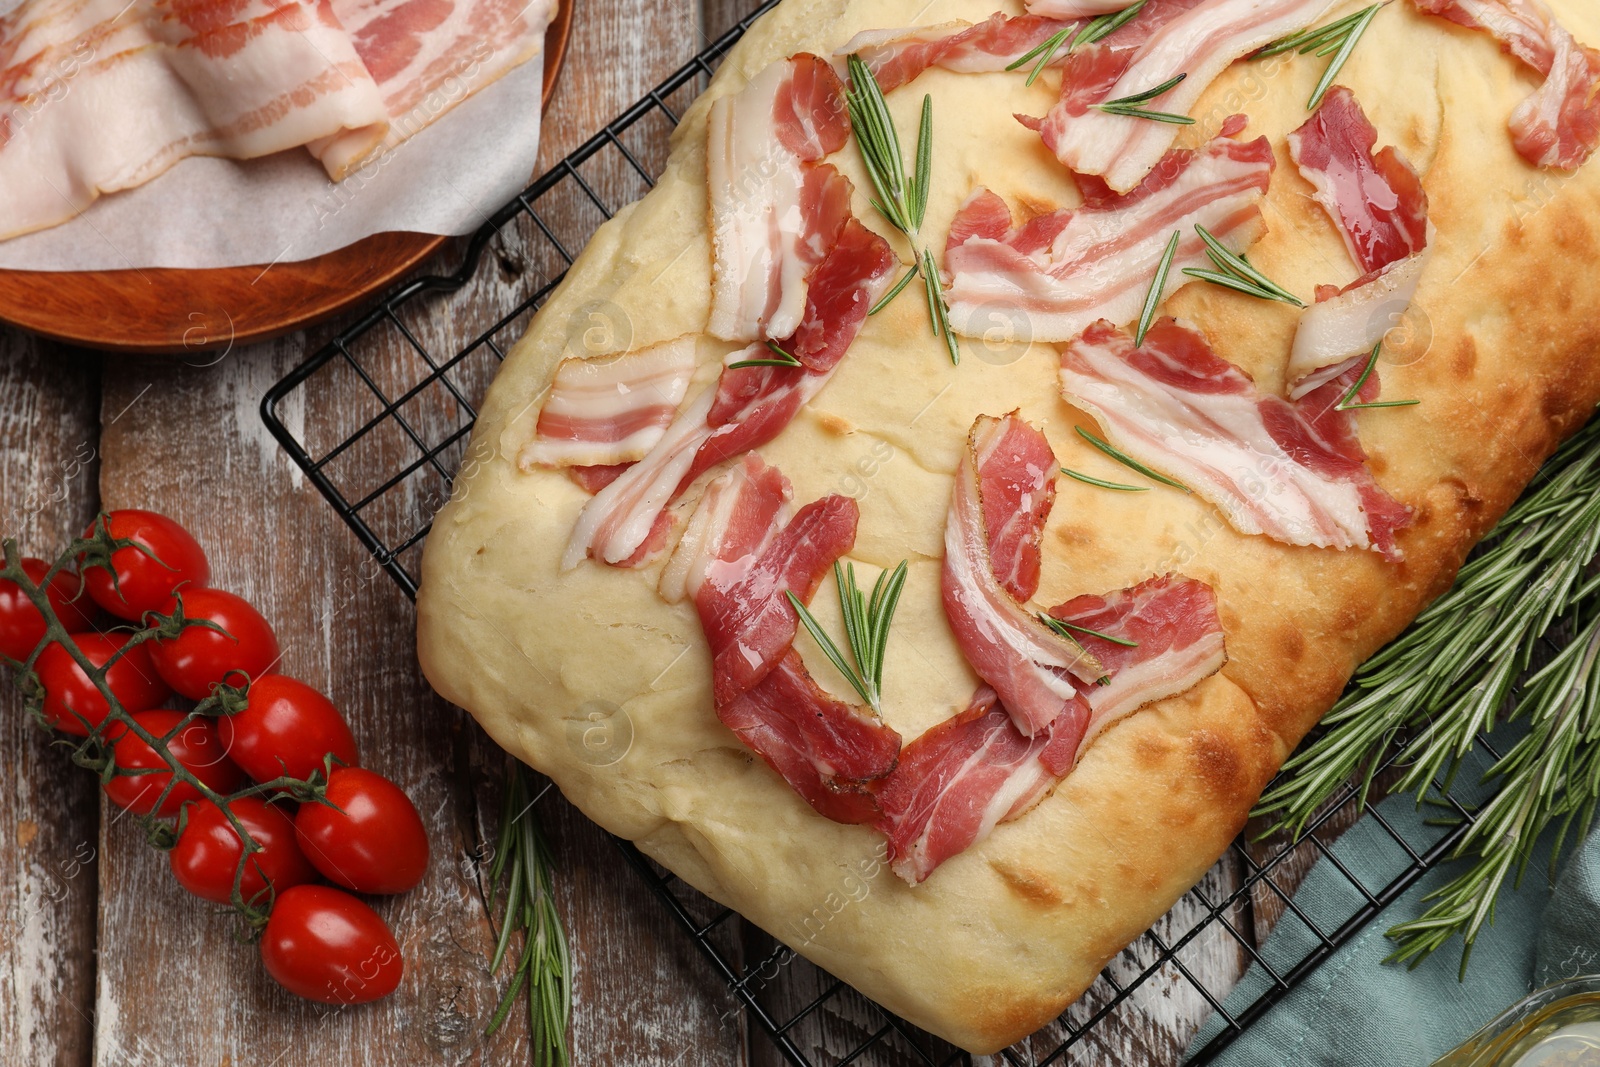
{"type": "Point", "coordinates": [1158, 285]}
{"type": "Point", "coordinates": [1118, 486]}
{"type": "Point", "coordinates": [1350, 403]}
{"type": "Point", "coordinates": [1235, 272]}
{"type": "Point", "coordinates": [1337, 38]}
{"type": "Point", "coordinates": [866, 627]}
{"type": "Point", "coordinates": [1444, 681]}
{"type": "Point", "coordinates": [1094, 30]}
{"type": "Point", "coordinates": [545, 965]}
{"type": "Point", "coordinates": [780, 358]}
{"type": "Point", "coordinates": [1130, 106]}
{"type": "Point", "coordinates": [901, 198]}
{"type": "Point", "coordinates": [1067, 629]}
{"type": "Point", "coordinates": [1128, 461]}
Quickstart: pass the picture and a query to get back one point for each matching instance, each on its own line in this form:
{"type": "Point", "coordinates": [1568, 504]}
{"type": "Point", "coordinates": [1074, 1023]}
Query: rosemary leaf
{"type": "Point", "coordinates": [1128, 461]}
{"type": "Point", "coordinates": [924, 177]}
{"type": "Point", "coordinates": [1105, 484]}
{"type": "Point", "coordinates": [899, 287]}
{"type": "Point", "coordinates": [1148, 95]}
{"type": "Point", "coordinates": [1342, 56]}
{"type": "Point", "coordinates": [941, 310]}
{"type": "Point", "coordinates": [1158, 286]}
{"type": "Point", "coordinates": [1241, 271]}
{"type": "Point", "coordinates": [1067, 629]}
{"type": "Point", "coordinates": [1349, 402]}
{"type": "Point", "coordinates": [1102, 26]}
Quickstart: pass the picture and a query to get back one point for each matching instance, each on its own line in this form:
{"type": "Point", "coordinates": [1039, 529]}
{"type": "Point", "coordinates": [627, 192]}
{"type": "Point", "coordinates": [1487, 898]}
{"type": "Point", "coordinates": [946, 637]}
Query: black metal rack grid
{"type": "Point", "coordinates": [378, 422]}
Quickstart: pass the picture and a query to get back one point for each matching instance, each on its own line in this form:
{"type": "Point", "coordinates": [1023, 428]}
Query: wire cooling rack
{"type": "Point", "coordinates": [378, 422]}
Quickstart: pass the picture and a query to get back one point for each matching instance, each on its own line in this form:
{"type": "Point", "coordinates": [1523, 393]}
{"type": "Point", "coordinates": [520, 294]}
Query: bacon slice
{"type": "Point", "coordinates": [959, 780]}
{"type": "Point", "coordinates": [742, 553]}
{"type": "Point", "coordinates": [177, 78]}
{"type": "Point", "coordinates": [747, 408]}
{"type": "Point", "coordinates": [1075, 9]}
{"type": "Point", "coordinates": [1170, 37]}
{"type": "Point", "coordinates": [1178, 642]}
{"type": "Point", "coordinates": [1340, 330]}
{"type": "Point", "coordinates": [610, 410]}
{"type": "Point", "coordinates": [898, 56]}
{"type": "Point", "coordinates": [1378, 203]}
{"type": "Point", "coordinates": [1559, 124]}
{"type": "Point", "coordinates": [1066, 270]}
{"type": "Point", "coordinates": [1031, 666]}
{"type": "Point", "coordinates": [427, 56]}
{"type": "Point", "coordinates": [1375, 197]}
{"type": "Point", "coordinates": [773, 214]}
{"type": "Point", "coordinates": [1294, 471]}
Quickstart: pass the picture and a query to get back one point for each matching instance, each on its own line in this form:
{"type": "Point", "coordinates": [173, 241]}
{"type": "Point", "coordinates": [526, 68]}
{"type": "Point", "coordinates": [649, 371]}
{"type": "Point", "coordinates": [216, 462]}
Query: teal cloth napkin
{"type": "Point", "coordinates": [1357, 1011]}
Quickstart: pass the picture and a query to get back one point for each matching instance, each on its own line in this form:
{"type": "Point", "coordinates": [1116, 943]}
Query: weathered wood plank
{"type": "Point", "coordinates": [48, 810]}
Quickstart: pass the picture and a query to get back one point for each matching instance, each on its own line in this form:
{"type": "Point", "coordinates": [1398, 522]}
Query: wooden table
{"type": "Point", "coordinates": [103, 959]}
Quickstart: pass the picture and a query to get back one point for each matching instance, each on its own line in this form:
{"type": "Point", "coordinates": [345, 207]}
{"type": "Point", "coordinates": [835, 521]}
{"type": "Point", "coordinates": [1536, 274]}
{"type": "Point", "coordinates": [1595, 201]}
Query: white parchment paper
{"type": "Point", "coordinates": [222, 213]}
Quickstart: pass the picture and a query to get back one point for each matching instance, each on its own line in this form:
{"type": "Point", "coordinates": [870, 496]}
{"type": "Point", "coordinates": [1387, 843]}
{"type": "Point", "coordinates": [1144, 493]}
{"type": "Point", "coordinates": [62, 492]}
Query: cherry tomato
{"type": "Point", "coordinates": [21, 625]}
{"type": "Point", "coordinates": [195, 746]}
{"type": "Point", "coordinates": [146, 580]}
{"type": "Point", "coordinates": [200, 657]}
{"type": "Point", "coordinates": [133, 681]}
{"type": "Point", "coordinates": [374, 843]}
{"type": "Point", "coordinates": [324, 944]}
{"type": "Point", "coordinates": [286, 728]}
{"type": "Point", "coordinates": [207, 853]}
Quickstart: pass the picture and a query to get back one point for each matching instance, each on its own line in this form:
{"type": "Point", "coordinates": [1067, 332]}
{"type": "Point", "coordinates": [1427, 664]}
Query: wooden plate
{"type": "Point", "coordinates": [163, 310]}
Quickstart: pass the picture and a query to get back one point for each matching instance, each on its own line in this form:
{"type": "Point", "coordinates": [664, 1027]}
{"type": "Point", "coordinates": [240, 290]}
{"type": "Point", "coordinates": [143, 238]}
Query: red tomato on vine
{"type": "Point", "coordinates": [200, 657]}
{"type": "Point", "coordinates": [286, 728]}
{"type": "Point", "coordinates": [21, 625]}
{"type": "Point", "coordinates": [324, 944]}
{"type": "Point", "coordinates": [195, 746]}
{"type": "Point", "coordinates": [207, 853]}
{"type": "Point", "coordinates": [373, 843]}
{"type": "Point", "coordinates": [69, 694]}
{"type": "Point", "coordinates": [145, 580]}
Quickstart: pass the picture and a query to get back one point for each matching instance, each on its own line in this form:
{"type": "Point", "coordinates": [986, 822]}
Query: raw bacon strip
{"type": "Point", "coordinates": [1344, 325]}
{"type": "Point", "coordinates": [740, 555]}
{"type": "Point", "coordinates": [1378, 203]}
{"type": "Point", "coordinates": [1198, 40]}
{"type": "Point", "coordinates": [1559, 125]}
{"type": "Point", "coordinates": [896, 57]}
{"type": "Point", "coordinates": [427, 56]}
{"type": "Point", "coordinates": [1075, 9]}
{"type": "Point", "coordinates": [747, 408]}
{"type": "Point", "coordinates": [1173, 621]}
{"type": "Point", "coordinates": [773, 215]}
{"type": "Point", "coordinates": [1376, 198]}
{"type": "Point", "coordinates": [1066, 270]}
{"type": "Point", "coordinates": [610, 410]}
{"type": "Point", "coordinates": [961, 779]}
{"type": "Point", "coordinates": [830, 752]}
{"type": "Point", "coordinates": [180, 78]}
{"type": "Point", "coordinates": [1293, 471]}
{"type": "Point", "coordinates": [1027, 663]}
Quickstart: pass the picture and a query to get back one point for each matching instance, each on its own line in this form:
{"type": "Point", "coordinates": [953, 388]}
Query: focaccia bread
{"type": "Point", "coordinates": [595, 679]}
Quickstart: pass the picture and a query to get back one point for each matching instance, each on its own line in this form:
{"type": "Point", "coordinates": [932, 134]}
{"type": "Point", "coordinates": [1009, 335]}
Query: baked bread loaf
{"type": "Point", "coordinates": [592, 677]}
